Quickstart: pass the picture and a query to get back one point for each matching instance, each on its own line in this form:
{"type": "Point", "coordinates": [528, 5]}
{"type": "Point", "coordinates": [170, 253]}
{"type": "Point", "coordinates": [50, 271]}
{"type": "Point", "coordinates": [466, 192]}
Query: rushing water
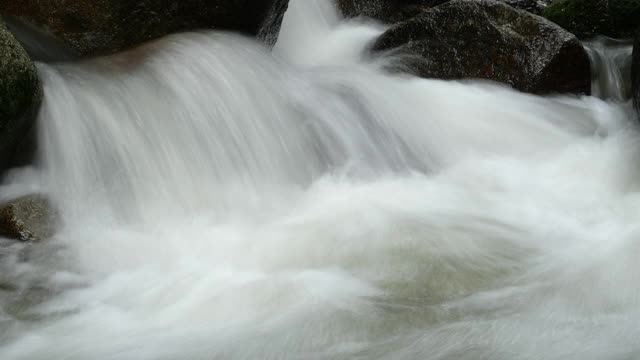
{"type": "Point", "coordinates": [611, 68]}
{"type": "Point", "coordinates": [220, 201]}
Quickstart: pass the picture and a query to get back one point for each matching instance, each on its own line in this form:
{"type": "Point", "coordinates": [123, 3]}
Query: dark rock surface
{"type": "Point", "coordinates": [96, 27]}
{"type": "Point", "coordinates": [635, 72]}
{"type": "Point", "coordinates": [532, 6]}
{"type": "Point", "coordinates": [271, 27]}
{"type": "Point", "coordinates": [392, 11]}
{"type": "Point", "coordinates": [389, 11]}
{"type": "Point", "coordinates": [495, 42]}
{"type": "Point", "coordinates": [20, 96]}
{"type": "Point", "coordinates": [588, 18]}
{"type": "Point", "coordinates": [40, 44]}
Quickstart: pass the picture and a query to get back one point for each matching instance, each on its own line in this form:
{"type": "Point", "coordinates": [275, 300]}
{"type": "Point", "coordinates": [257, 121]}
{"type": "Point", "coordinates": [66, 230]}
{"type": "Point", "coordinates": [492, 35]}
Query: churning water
{"type": "Point", "coordinates": [222, 201]}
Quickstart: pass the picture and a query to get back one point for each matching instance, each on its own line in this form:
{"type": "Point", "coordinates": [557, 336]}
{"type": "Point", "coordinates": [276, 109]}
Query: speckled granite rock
{"type": "Point", "coordinates": [29, 218]}
{"type": "Point", "coordinates": [494, 42]}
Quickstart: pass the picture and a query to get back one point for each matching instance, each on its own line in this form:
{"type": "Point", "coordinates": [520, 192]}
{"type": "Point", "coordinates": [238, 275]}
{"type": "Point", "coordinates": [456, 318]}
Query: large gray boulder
{"type": "Point", "coordinates": [494, 42]}
{"type": "Point", "coordinates": [20, 95]}
{"type": "Point", "coordinates": [97, 27]}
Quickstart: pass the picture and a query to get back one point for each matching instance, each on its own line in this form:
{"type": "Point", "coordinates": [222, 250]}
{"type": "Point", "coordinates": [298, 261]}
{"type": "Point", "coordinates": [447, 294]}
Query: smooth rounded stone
{"type": "Point", "coordinates": [20, 96]}
{"type": "Point", "coordinates": [98, 27]}
{"type": "Point", "coordinates": [588, 18]}
{"type": "Point", "coordinates": [495, 42]}
{"type": "Point", "coordinates": [29, 218]}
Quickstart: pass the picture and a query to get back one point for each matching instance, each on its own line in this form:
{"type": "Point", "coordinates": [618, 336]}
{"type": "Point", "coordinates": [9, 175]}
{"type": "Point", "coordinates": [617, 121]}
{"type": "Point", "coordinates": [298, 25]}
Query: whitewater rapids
{"type": "Point", "coordinates": [224, 201]}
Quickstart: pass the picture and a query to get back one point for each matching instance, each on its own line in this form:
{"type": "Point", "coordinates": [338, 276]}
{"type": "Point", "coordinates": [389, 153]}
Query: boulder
{"type": "Point", "coordinates": [20, 96]}
{"type": "Point", "coordinates": [588, 18]}
{"type": "Point", "coordinates": [494, 42]}
{"type": "Point", "coordinates": [29, 218]}
{"type": "Point", "coordinates": [97, 27]}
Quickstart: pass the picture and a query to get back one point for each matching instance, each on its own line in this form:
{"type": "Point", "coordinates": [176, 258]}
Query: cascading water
{"type": "Point", "coordinates": [223, 202]}
{"type": "Point", "coordinates": [611, 68]}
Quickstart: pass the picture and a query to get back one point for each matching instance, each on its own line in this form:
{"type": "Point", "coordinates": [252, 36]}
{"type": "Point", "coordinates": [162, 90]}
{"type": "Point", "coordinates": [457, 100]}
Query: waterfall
{"type": "Point", "coordinates": [611, 68]}
{"type": "Point", "coordinates": [222, 200]}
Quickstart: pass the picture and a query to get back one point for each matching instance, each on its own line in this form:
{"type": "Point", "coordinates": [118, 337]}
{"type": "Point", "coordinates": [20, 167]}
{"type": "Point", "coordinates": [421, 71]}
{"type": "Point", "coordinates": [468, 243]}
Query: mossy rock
{"type": "Point", "coordinates": [29, 218]}
{"type": "Point", "coordinates": [588, 18]}
{"type": "Point", "coordinates": [20, 95]}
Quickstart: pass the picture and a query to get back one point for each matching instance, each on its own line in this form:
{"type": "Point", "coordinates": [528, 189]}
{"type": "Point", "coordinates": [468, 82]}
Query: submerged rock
{"type": "Point", "coordinates": [28, 218]}
{"type": "Point", "coordinates": [494, 42]}
{"type": "Point", "coordinates": [588, 18]}
{"type": "Point", "coordinates": [20, 95]}
{"type": "Point", "coordinates": [96, 27]}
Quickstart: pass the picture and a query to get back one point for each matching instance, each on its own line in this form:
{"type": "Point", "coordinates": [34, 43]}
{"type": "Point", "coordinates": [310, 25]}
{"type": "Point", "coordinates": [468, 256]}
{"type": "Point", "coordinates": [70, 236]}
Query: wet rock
{"type": "Point", "coordinates": [40, 44]}
{"type": "Point", "coordinates": [271, 27]}
{"type": "Point", "coordinates": [20, 96]}
{"type": "Point", "coordinates": [28, 218]}
{"type": "Point", "coordinates": [494, 42]}
{"type": "Point", "coordinates": [635, 72]}
{"type": "Point", "coordinates": [97, 27]}
{"type": "Point", "coordinates": [588, 18]}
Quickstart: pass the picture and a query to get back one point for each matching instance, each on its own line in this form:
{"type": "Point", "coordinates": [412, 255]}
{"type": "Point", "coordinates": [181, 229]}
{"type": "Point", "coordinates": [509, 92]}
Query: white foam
{"type": "Point", "coordinates": [222, 202]}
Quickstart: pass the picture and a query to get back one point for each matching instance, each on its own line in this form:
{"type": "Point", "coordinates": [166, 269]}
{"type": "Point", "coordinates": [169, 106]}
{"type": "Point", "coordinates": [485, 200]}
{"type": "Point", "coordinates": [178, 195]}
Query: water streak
{"type": "Point", "coordinates": [611, 68]}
